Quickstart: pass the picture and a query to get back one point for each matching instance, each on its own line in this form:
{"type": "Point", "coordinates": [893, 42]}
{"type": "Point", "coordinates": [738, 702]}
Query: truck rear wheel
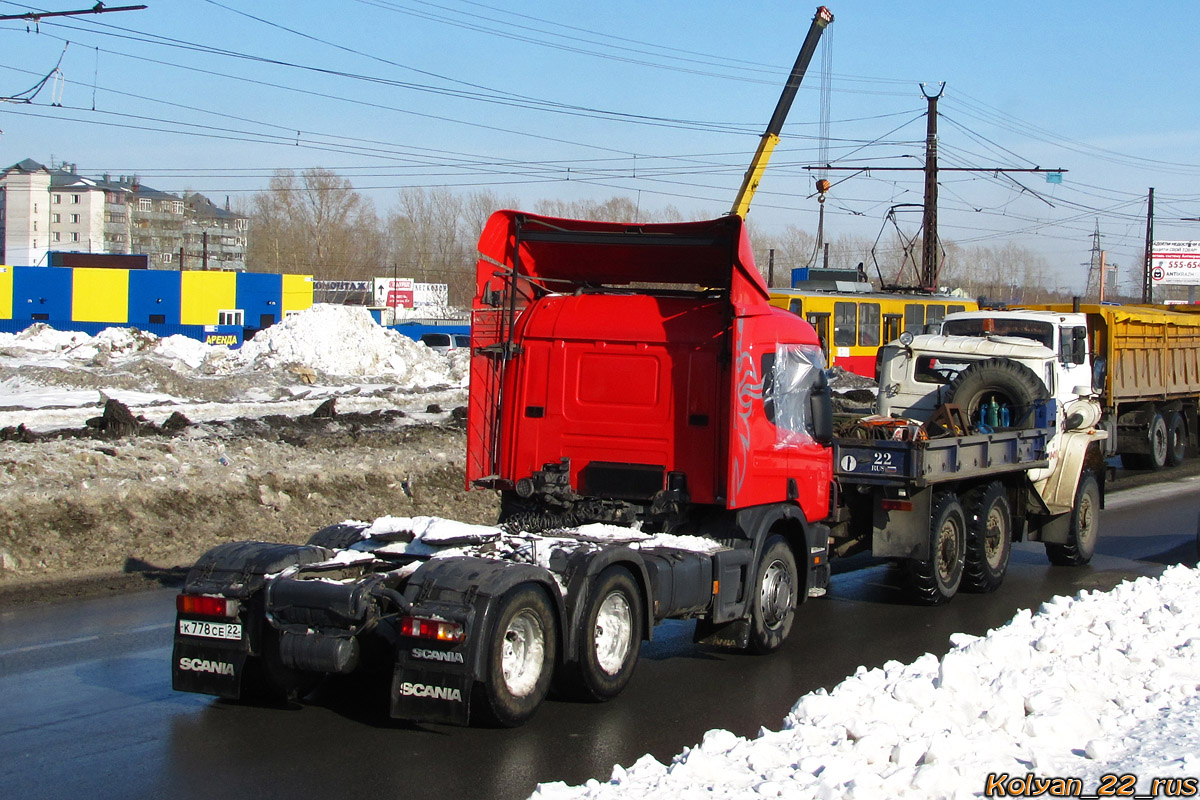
{"type": "Point", "coordinates": [999, 380]}
{"type": "Point", "coordinates": [1084, 527]}
{"type": "Point", "coordinates": [775, 598]}
{"type": "Point", "coordinates": [1157, 439]}
{"type": "Point", "coordinates": [611, 637]}
{"type": "Point", "coordinates": [521, 655]}
{"type": "Point", "coordinates": [989, 538]}
{"type": "Point", "coordinates": [1176, 438]}
{"type": "Point", "coordinates": [936, 580]}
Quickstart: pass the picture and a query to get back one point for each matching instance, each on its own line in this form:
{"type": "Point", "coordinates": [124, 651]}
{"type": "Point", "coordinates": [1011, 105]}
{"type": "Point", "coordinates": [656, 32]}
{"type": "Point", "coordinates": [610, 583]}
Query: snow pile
{"type": "Point", "coordinates": [342, 341]}
{"type": "Point", "coordinates": [1083, 688]}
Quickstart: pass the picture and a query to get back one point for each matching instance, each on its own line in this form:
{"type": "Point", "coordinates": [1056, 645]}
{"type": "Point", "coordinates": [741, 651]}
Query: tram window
{"type": "Point", "coordinates": [934, 314]}
{"type": "Point", "coordinates": [868, 325]}
{"type": "Point", "coordinates": [955, 309]}
{"type": "Point", "coordinates": [914, 318]}
{"type": "Point", "coordinates": [796, 307]}
{"type": "Point", "coordinates": [845, 324]}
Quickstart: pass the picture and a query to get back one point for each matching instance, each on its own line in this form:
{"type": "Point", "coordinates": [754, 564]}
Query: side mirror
{"type": "Point", "coordinates": [1079, 344]}
{"type": "Point", "coordinates": [820, 404]}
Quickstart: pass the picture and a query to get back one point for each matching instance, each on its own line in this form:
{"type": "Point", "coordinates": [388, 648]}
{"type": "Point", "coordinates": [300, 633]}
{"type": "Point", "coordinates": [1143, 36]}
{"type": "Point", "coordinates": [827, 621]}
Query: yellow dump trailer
{"type": "Point", "coordinates": [1146, 365]}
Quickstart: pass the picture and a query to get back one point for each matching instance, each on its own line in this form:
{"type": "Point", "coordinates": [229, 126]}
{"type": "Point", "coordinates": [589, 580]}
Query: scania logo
{"type": "Point", "coordinates": [433, 692]}
{"type": "Point", "coordinates": [203, 665]}
{"type": "Point", "coordinates": [437, 655]}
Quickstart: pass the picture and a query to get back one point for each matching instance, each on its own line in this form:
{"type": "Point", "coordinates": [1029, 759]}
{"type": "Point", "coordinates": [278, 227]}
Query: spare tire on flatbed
{"type": "Point", "coordinates": [1008, 382]}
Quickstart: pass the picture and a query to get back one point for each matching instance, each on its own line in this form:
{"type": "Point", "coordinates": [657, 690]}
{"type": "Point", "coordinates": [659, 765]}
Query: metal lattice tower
{"type": "Point", "coordinates": [1094, 265]}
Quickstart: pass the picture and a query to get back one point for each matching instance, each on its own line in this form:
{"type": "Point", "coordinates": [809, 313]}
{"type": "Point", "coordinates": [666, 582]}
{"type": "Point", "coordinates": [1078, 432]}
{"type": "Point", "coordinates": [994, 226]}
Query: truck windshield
{"type": "Point", "coordinates": [1041, 332]}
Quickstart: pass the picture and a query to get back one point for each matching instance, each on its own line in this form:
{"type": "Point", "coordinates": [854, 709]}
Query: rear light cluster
{"type": "Point", "coordinates": [437, 629]}
{"type": "Point", "coordinates": [206, 605]}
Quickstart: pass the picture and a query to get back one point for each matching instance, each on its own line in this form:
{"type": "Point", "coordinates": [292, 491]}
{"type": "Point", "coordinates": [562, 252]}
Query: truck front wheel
{"type": "Point", "coordinates": [936, 580]}
{"type": "Point", "coordinates": [774, 602]}
{"type": "Point", "coordinates": [611, 637]}
{"type": "Point", "coordinates": [989, 538]}
{"type": "Point", "coordinates": [521, 657]}
{"type": "Point", "coordinates": [1084, 528]}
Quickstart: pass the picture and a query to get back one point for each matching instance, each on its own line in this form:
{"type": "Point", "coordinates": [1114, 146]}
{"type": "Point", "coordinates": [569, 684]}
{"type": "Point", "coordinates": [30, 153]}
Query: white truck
{"type": "Point", "coordinates": [1140, 364]}
{"type": "Point", "coordinates": [990, 387]}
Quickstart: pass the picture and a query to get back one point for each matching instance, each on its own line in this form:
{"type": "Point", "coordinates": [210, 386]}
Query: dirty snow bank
{"type": "Point", "coordinates": [1105, 682]}
{"type": "Point", "coordinates": [325, 351]}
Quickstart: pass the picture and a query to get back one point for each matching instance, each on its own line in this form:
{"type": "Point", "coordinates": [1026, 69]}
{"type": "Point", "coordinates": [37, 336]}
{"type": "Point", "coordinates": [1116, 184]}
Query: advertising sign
{"type": "Point", "coordinates": [394, 292]}
{"type": "Point", "coordinates": [1175, 263]}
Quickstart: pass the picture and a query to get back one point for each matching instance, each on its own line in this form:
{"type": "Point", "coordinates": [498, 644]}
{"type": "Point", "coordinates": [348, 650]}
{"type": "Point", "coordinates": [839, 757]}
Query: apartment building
{"type": "Point", "coordinates": [45, 209]}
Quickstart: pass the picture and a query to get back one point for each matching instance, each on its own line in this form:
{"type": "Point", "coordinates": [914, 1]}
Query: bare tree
{"type": "Point", "coordinates": [315, 223]}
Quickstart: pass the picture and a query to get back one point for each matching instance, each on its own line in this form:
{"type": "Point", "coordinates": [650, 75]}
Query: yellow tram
{"type": "Point", "coordinates": [853, 325]}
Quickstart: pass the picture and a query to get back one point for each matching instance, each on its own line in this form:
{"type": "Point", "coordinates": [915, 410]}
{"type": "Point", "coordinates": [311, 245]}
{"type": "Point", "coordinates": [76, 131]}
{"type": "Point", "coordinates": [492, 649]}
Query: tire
{"type": "Point", "coordinates": [935, 581]}
{"type": "Point", "coordinates": [989, 538]}
{"type": "Point", "coordinates": [1007, 382]}
{"type": "Point", "coordinates": [1157, 438]}
{"type": "Point", "coordinates": [1176, 438]}
{"type": "Point", "coordinates": [337, 537]}
{"type": "Point", "coordinates": [1084, 527]}
{"type": "Point", "coordinates": [610, 638]}
{"type": "Point", "coordinates": [521, 655]}
{"type": "Point", "coordinates": [776, 594]}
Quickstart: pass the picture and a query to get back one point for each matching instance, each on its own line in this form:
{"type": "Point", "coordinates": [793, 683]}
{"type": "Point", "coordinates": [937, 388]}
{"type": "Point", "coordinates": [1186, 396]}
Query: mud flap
{"type": "Point", "coordinates": [431, 694]}
{"type": "Point", "coordinates": [734, 635]}
{"type": "Point", "coordinates": [205, 667]}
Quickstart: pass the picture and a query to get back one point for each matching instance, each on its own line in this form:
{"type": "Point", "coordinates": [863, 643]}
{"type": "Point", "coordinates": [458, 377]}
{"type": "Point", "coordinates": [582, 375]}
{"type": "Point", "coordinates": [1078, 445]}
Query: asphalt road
{"type": "Point", "coordinates": [86, 708]}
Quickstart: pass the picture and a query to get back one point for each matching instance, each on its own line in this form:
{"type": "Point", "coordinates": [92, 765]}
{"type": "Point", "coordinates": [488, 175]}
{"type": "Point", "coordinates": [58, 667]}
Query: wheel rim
{"type": "Point", "coordinates": [948, 551]}
{"type": "Point", "coordinates": [995, 533]}
{"type": "Point", "coordinates": [613, 634]}
{"type": "Point", "coordinates": [1158, 442]}
{"type": "Point", "coordinates": [775, 595]}
{"type": "Point", "coordinates": [523, 653]}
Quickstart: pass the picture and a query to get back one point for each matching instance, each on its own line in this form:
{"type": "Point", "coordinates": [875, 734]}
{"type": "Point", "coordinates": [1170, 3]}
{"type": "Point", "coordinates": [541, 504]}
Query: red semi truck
{"type": "Point", "coordinates": [662, 441]}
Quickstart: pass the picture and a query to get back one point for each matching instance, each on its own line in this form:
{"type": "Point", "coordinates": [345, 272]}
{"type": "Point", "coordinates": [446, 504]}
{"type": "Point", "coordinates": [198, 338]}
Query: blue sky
{"type": "Point", "coordinates": [659, 101]}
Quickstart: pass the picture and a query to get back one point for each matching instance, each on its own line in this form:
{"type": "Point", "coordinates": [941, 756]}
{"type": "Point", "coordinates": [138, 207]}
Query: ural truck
{"type": "Point", "coordinates": [1140, 363]}
{"type": "Point", "coordinates": [661, 439]}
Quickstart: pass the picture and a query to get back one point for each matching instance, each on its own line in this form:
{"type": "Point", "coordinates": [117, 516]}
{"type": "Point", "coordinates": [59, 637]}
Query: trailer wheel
{"type": "Point", "coordinates": [521, 657]}
{"type": "Point", "coordinates": [935, 581]}
{"type": "Point", "coordinates": [1158, 440]}
{"type": "Point", "coordinates": [1176, 438]}
{"type": "Point", "coordinates": [1006, 382]}
{"type": "Point", "coordinates": [1084, 528]}
{"type": "Point", "coordinates": [611, 638]}
{"type": "Point", "coordinates": [337, 537]}
{"type": "Point", "coordinates": [776, 591]}
{"type": "Point", "coordinates": [989, 538]}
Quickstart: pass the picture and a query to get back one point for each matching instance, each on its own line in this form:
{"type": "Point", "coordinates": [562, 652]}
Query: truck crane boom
{"type": "Point", "coordinates": [741, 205]}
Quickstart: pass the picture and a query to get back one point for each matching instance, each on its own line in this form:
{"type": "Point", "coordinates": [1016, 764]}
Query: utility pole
{"type": "Point", "coordinates": [929, 248]}
{"type": "Point", "coordinates": [927, 275]}
{"type": "Point", "coordinates": [1147, 282]}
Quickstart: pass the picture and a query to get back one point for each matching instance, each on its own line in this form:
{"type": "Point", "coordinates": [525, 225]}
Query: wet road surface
{"type": "Point", "coordinates": [86, 708]}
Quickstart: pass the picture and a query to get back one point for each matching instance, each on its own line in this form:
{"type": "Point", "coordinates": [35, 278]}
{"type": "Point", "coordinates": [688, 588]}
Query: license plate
{"type": "Point", "coordinates": [211, 630]}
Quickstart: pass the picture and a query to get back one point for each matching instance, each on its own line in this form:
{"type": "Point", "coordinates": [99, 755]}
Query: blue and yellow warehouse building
{"type": "Point", "coordinates": [214, 307]}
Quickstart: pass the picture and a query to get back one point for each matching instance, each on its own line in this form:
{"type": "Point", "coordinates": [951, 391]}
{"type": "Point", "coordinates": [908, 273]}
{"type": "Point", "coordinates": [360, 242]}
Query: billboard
{"type": "Point", "coordinates": [1175, 263]}
{"type": "Point", "coordinates": [394, 292]}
